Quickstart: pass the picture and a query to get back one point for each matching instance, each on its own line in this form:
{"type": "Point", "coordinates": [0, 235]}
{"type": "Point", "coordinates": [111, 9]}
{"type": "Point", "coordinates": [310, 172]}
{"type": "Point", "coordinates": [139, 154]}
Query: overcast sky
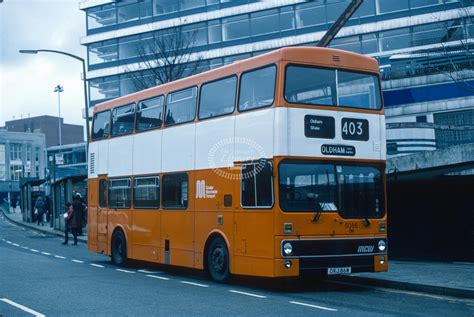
{"type": "Point", "coordinates": [27, 81]}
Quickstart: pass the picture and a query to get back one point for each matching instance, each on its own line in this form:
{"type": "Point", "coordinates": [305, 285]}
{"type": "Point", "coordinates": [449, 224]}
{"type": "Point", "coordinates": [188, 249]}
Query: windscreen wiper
{"type": "Point", "coordinates": [367, 222]}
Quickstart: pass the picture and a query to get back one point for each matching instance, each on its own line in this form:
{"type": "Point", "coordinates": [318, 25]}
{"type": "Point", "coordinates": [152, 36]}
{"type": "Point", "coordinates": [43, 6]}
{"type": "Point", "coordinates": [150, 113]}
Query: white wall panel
{"type": "Point", "coordinates": [147, 152]}
{"type": "Point", "coordinates": [254, 135]}
{"type": "Point", "coordinates": [178, 148]}
{"type": "Point", "coordinates": [120, 156]}
{"type": "Point", "coordinates": [103, 157]}
{"type": "Point", "coordinates": [215, 143]}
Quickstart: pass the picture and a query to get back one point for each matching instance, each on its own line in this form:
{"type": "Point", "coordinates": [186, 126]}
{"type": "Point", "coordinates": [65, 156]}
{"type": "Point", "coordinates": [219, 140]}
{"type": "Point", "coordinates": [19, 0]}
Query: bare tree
{"type": "Point", "coordinates": [166, 57]}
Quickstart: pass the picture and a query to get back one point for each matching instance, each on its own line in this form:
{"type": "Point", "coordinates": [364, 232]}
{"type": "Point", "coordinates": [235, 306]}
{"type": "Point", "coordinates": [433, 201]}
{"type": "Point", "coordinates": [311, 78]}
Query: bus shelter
{"type": "Point", "coordinates": [30, 188]}
{"type": "Point", "coordinates": [61, 193]}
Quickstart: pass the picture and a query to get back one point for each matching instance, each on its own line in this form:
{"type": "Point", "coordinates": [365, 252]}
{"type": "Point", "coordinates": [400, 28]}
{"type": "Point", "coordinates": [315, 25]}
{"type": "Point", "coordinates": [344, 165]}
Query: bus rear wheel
{"type": "Point", "coordinates": [119, 248]}
{"type": "Point", "coordinates": [218, 260]}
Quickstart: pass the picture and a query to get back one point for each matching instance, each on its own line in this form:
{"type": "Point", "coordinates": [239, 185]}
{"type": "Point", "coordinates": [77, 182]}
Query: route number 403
{"type": "Point", "coordinates": [355, 129]}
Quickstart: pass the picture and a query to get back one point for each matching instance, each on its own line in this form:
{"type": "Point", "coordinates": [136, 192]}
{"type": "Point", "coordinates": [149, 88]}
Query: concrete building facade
{"type": "Point", "coordinates": [22, 154]}
{"type": "Point", "coordinates": [49, 126]}
{"type": "Point", "coordinates": [424, 48]}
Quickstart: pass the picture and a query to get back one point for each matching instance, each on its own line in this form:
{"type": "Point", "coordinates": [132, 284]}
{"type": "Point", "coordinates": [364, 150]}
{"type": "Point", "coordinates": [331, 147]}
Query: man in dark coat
{"type": "Point", "coordinates": [39, 206]}
{"type": "Point", "coordinates": [78, 206]}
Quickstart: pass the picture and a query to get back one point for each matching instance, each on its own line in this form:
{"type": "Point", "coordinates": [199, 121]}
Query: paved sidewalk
{"type": "Point", "coordinates": [442, 278]}
{"type": "Point", "coordinates": [47, 229]}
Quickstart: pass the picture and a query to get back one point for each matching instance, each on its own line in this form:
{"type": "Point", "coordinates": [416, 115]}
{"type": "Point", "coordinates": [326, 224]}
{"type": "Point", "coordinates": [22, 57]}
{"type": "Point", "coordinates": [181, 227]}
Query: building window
{"type": "Point", "coordinates": [175, 191]}
{"type": "Point", "coordinates": [37, 154]}
{"type": "Point", "coordinates": [214, 32]}
{"type": "Point", "coordinates": [102, 52]}
{"type": "Point", "coordinates": [264, 22]}
{"type": "Point", "coordinates": [127, 10]}
{"type": "Point", "coordinates": [150, 113]}
{"type": "Point", "coordinates": [257, 185]}
{"type": "Point", "coordinates": [395, 39]}
{"type": "Point", "coordinates": [15, 172]}
{"type": "Point", "coordinates": [123, 119]}
{"type": "Point", "coordinates": [387, 6]}
{"type": "Point", "coordinates": [28, 153]}
{"type": "Point", "coordinates": [104, 88]}
{"type": "Point", "coordinates": [3, 175]}
{"type": "Point", "coordinates": [130, 46]}
{"type": "Point", "coordinates": [310, 14]}
{"type": "Point", "coordinates": [181, 106]}
{"type": "Point", "coordinates": [257, 88]}
{"type": "Point", "coordinates": [146, 192]}
{"type": "Point", "coordinates": [218, 98]}
{"type": "Point", "coordinates": [446, 138]}
{"type": "Point", "coordinates": [119, 193]}
{"type": "Point", "coordinates": [15, 152]}
{"type": "Point", "coordinates": [165, 6]}
{"type": "Point", "coordinates": [235, 27]}
{"type": "Point", "coordinates": [101, 16]}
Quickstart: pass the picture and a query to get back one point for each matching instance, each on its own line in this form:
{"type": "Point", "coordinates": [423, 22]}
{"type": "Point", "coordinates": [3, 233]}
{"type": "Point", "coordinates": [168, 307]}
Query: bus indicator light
{"type": "Point", "coordinates": [288, 228]}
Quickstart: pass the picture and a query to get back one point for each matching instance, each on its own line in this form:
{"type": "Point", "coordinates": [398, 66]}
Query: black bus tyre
{"type": "Point", "coordinates": [119, 248]}
{"type": "Point", "coordinates": [218, 260]}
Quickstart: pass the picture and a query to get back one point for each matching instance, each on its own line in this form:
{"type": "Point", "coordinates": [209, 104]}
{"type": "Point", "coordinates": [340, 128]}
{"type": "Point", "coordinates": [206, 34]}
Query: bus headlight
{"type": "Point", "coordinates": [382, 260]}
{"type": "Point", "coordinates": [288, 264]}
{"type": "Point", "coordinates": [287, 248]}
{"type": "Point", "coordinates": [381, 245]}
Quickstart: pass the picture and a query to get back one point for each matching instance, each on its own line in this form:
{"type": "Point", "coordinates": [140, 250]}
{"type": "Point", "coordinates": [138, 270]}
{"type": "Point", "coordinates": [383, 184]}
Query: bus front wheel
{"type": "Point", "coordinates": [119, 248]}
{"type": "Point", "coordinates": [218, 260]}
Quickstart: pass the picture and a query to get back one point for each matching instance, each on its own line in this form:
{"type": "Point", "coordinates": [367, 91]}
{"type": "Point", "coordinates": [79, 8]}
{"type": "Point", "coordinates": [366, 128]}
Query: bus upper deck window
{"type": "Point", "coordinates": [123, 119]}
{"type": "Point", "coordinates": [101, 125]}
{"type": "Point", "coordinates": [257, 88]}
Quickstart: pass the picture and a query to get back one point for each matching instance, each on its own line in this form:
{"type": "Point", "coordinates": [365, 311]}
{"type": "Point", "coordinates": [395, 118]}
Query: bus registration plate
{"type": "Point", "coordinates": [339, 270]}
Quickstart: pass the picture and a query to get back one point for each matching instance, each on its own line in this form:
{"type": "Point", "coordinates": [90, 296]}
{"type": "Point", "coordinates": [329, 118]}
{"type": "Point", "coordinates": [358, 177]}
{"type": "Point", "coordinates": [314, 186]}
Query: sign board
{"type": "Point", "coordinates": [338, 150]}
{"type": "Point", "coordinates": [355, 129]}
{"type": "Point", "coordinates": [59, 158]}
{"type": "Point", "coordinates": [319, 127]}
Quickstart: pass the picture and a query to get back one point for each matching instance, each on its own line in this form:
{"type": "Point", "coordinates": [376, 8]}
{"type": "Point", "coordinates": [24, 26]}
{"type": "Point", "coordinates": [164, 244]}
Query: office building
{"type": "Point", "coordinates": [423, 46]}
{"type": "Point", "coordinates": [49, 126]}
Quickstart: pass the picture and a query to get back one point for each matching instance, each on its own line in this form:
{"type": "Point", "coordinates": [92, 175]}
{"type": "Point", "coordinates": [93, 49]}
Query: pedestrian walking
{"type": "Point", "coordinates": [79, 209]}
{"type": "Point", "coordinates": [13, 204]}
{"type": "Point", "coordinates": [39, 211]}
{"type": "Point", "coordinates": [71, 225]}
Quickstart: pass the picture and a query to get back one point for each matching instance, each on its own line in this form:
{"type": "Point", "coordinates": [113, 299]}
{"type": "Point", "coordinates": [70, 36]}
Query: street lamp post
{"type": "Point", "coordinates": [59, 89]}
{"type": "Point", "coordinates": [84, 80]}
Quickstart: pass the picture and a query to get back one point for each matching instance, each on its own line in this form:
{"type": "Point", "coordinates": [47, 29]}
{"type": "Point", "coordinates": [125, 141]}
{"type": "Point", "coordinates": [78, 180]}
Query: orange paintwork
{"type": "Point", "coordinates": [253, 236]}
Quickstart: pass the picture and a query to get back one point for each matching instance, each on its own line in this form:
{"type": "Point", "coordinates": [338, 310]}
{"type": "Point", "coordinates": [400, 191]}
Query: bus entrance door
{"type": "Point", "coordinates": [102, 216]}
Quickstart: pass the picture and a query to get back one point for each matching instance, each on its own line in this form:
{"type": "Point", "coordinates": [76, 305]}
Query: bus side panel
{"type": "Point", "coordinates": [145, 236]}
{"type": "Point", "coordinates": [254, 243]}
{"type": "Point", "coordinates": [93, 199]}
{"type": "Point", "coordinates": [212, 212]}
{"type": "Point", "coordinates": [177, 232]}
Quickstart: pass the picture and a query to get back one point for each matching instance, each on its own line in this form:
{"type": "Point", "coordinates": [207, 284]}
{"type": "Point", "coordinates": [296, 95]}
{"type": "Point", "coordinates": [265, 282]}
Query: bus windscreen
{"type": "Point", "coordinates": [332, 87]}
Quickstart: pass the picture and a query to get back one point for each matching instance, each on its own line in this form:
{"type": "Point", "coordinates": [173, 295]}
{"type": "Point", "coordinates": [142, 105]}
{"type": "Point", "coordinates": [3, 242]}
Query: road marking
{"type": "Point", "coordinates": [16, 244]}
{"type": "Point", "coordinates": [124, 271]}
{"type": "Point", "coordinates": [26, 248]}
{"type": "Point", "coordinates": [314, 306]}
{"type": "Point", "coordinates": [248, 294]}
{"type": "Point", "coordinates": [150, 272]}
{"type": "Point", "coordinates": [159, 277]}
{"type": "Point", "coordinates": [60, 257]}
{"type": "Point", "coordinates": [9, 242]}
{"type": "Point", "coordinates": [23, 308]}
{"type": "Point", "coordinates": [97, 265]}
{"type": "Point", "coordinates": [439, 297]}
{"type": "Point", "coordinates": [195, 284]}
{"type": "Point", "coordinates": [77, 261]}
{"type": "Point", "coordinates": [34, 250]}
{"type": "Point", "coordinates": [45, 253]}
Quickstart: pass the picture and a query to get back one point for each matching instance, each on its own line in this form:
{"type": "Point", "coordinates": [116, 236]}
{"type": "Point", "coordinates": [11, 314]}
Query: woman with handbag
{"type": "Point", "coordinates": [71, 224]}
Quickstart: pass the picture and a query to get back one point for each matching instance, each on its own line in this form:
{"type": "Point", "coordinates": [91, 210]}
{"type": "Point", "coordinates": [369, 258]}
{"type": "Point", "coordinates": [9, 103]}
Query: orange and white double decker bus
{"type": "Point", "coordinates": [272, 166]}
